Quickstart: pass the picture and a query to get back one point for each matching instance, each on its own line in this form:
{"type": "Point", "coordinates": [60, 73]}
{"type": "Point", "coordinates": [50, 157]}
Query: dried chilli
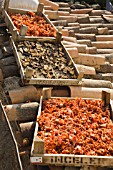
{"type": "Point", "coordinates": [37, 25]}
{"type": "Point", "coordinates": [76, 126]}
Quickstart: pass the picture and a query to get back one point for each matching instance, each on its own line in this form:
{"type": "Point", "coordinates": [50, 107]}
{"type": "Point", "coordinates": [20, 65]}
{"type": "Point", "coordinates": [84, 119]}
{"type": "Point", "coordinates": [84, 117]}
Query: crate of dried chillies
{"type": "Point", "coordinates": [44, 62]}
{"type": "Point", "coordinates": [74, 132]}
{"type": "Point", "coordinates": [27, 24]}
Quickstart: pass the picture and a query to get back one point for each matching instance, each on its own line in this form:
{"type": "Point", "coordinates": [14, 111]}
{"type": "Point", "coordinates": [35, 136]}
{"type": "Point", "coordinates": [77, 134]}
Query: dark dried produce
{"type": "Point", "coordinates": [51, 58]}
{"type": "Point", "coordinates": [76, 126]}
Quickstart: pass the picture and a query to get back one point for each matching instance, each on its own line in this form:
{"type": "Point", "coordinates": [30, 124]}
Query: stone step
{"type": "Point", "coordinates": [95, 83]}
{"type": "Point", "coordinates": [109, 26]}
{"type": "Point", "coordinates": [73, 24]}
{"type": "Point", "coordinates": [75, 28]}
{"type": "Point", "coordinates": [96, 12]}
{"type": "Point", "coordinates": [103, 31]}
{"type": "Point", "coordinates": [84, 41]}
{"type": "Point", "coordinates": [81, 48]}
{"type": "Point", "coordinates": [60, 23]}
{"type": "Point", "coordinates": [73, 52]}
{"type": "Point", "coordinates": [100, 76]}
{"type": "Point", "coordinates": [109, 58]}
{"type": "Point", "coordinates": [90, 59]}
{"type": "Point", "coordinates": [88, 30]}
{"type": "Point", "coordinates": [106, 68]}
{"type": "Point", "coordinates": [47, 8]}
{"type": "Point", "coordinates": [62, 4]}
{"type": "Point", "coordinates": [65, 32]}
{"type": "Point", "coordinates": [110, 32]}
{"type": "Point", "coordinates": [63, 13]}
{"type": "Point", "coordinates": [104, 51]}
{"type": "Point", "coordinates": [86, 69]}
{"type": "Point", "coordinates": [53, 5]}
{"type": "Point", "coordinates": [64, 9]}
{"type": "Point", "coordinates": [91, 37]}
{"type": "Point", "coordinates": [70, 19]}
{"type": "Point", "coordinates": [52, 14]}
{"type": "Point", "coordinates": [98, 25]}
{"type": "Point", "coordinates": [91, 50]}
{"type": "Point", "coordinates": [81, 11]}
{"type": "Point", "coordinates": [108, 76]}
{"type": "Point", "coordinates": [80, 15]}
{"type": "Point", "coordinates": [104, 38]}
{"type": "Point", "coordinates": [103, 44]}
{"type": "Point", "coordinates": [69, 39]}
{"type": "Point", "coordinates": [96, 20]}
{"type": "Point", "coordinates": [88, 92]}
{"type": "Point", "coordinates": [83, 19]}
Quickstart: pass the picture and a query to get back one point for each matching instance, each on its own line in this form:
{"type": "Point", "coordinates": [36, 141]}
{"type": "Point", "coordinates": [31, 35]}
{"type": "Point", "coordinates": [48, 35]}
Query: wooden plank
{"type": "Point", "coordinates": [8, 147]}
{"type": "Point", "coordinates": [106, 98]}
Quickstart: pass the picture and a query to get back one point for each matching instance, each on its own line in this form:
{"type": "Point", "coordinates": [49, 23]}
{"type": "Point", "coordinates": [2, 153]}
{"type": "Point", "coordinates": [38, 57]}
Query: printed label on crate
{"type": "Point", "coordinates": [36, 159]}
{"type": "Point", "coordinates": [80, 160]}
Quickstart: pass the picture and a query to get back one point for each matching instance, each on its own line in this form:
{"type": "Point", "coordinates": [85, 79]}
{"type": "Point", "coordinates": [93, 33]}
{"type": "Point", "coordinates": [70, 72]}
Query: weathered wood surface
{"type": "Point", "coordinates": [9, 155]}
{"type": "Point", "coordinates": [27, 130]}
{"type": "Point", "coordinates": [22, 112]}
{"type": "Point", "coordinates": [23, 94]}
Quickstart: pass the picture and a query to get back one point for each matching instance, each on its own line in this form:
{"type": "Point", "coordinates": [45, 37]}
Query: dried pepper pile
{"type": "Point", "coordinates": [37, 25]}
{"type": "Point", "coordinates": [77, 126]}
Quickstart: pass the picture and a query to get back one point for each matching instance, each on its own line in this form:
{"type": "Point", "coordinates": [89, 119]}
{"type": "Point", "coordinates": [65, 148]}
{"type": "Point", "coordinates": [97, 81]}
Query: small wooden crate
{"type": "Point", "coordinates": [44, 81]}
{"type": "Point", "coordinates": [39, 157]}
{"type": "Point", "coordinates": [13, 30]}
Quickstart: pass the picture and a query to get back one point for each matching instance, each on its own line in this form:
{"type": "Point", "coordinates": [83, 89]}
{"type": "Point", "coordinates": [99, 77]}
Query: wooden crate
{"type": "Point", "coordinates": [39, 157]}
{"type": "Point", "coordinates": [45, 81]}
{"type": "Point", "coordinates": [12, 28]}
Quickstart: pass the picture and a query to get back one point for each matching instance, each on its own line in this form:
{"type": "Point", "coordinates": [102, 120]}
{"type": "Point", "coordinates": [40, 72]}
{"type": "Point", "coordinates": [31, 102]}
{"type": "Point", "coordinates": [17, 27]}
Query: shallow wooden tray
{"type": "Point", "coordinates": [13, 30]}
{"type": "Point", "coordinates": [39, 157]}
{"type": "Point", "coordinates": [44, 81]}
